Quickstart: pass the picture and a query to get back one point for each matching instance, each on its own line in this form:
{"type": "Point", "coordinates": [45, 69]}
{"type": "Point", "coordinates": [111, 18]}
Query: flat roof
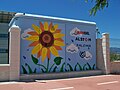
{"type": "Point", "coordinates": [5, 17]}
{"type": "Point", "coordinates": [53, 18]}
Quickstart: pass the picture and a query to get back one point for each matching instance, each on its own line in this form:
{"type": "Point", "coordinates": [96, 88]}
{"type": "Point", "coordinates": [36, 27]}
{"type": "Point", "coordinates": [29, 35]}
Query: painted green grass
{"type": "Point", "coordinates": [53, 68]}
{"type": "Point", "coordinates": [86, 66]}
{"type": "Point", "coordinates": [27, 69]}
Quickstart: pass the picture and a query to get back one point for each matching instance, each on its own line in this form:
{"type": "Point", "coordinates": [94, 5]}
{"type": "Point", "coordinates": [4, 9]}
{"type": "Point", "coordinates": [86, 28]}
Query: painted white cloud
{"type": "Point", "coordinates": [88, 55]}
{"type": "Point", "coordinates": [72, 48]}
{"type": "Point", "coordinates": [25, 34]}
{"type": "Point", "coordinates": [75, 32]}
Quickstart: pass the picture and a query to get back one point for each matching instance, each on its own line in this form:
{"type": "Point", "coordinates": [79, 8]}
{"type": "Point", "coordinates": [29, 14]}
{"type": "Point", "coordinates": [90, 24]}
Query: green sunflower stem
{"type": "Point", "coordinates": [42, 66]}
{"type": "Point", "coordinates": [51, 67]}
{"type": "Point", "coordinates": [47, 65]}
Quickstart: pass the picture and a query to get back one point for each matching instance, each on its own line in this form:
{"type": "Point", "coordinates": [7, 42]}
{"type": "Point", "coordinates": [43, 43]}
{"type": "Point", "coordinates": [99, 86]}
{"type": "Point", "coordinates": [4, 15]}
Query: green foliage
{"type": "Point", "coordinates": [62, 68]}
{"type": "Point", "coordinates": [42, 70]}
{"type": "Point", "coordinates": [29, 69]}
{"type": "Point", "coordinates": [54, 70]}
{"type": "Point", "coordinates": [89, 67]}
{"type": "Point", "coordinates": [35, 70]}
{"type": "Point", "coordinates": [57, 60]}
{"type": "Point", "coordinates": [114, 57]}
{"type": "Point", "coordinates": [99, 5]}
{"type": "Point", "coordinates": [42, 66]}
{"type": "Point", "coordinates": [53, 67]}
{"type": "Point", "coordinates": [93, 68]}
{"type": "Point", "coordinates": [45, 69]}
{"type": "Point", "coordinates": [75, 69]}
{"type": "Point", "coordinates": [71, 69]}
{"type": "Point", "coordinates": [34, 59]}
{"type": "Point", "coordinates": [86, 66]}
{"type": "Point", "coordinates": [24, 70]}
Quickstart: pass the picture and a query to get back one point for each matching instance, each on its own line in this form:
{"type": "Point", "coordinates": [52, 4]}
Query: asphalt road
{"type": "Point", "coordinates": [103, 82]}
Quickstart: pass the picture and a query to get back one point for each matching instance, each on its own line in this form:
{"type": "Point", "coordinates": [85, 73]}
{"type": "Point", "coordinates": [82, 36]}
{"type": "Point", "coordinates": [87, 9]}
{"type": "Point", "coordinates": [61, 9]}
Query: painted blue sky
{"type": "Point", "coordinates": [107, 20]}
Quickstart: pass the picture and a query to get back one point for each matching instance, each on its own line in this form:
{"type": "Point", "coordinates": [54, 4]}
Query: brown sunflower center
{"type": "Point", "coordinates": [46, 39]}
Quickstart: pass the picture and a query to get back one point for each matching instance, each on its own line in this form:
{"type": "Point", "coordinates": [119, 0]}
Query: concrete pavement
{"type": "Point", "coordinates": [103, 82]}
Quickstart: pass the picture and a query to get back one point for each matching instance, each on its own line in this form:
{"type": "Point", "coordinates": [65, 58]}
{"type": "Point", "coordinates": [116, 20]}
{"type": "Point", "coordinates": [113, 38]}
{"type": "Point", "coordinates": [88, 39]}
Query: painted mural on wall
{"type": "Point", "coordinates": [45, 41]}
{"type": "Point", "coordinates": [56, 47]}
{"type": "Point", "coordinates": [80, 48]}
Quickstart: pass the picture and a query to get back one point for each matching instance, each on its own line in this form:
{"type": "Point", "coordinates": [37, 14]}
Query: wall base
{"type": "Point", "coordinates": [115, 67]}
{"type": "Point", "coordinates": [59, 75]}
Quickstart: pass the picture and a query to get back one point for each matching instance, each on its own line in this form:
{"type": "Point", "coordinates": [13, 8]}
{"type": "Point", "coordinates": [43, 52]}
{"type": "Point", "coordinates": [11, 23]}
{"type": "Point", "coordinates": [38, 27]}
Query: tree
{"type": "Point", "coordinates": [99, 4]}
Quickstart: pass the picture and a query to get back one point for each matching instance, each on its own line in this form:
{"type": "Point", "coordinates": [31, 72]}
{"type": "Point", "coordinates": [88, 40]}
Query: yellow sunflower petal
{"type": "Point", "coordinates": [56, 26]}
{"type": "Point", "coordinates": [44, 53]}
{"type": "Point", "coordinates": [59, 43]}
{"type": "Point", "coordinates": [53, 28]}
{"type": "Point", "coordinates": [37, 29]}
{"type": "Point", "coordinates": [36, 49]}
{"type": "Point", "coordinates": [46, 26]}
{"type": "Point", "coordinates": [54, 51]}
{"type": "Point", "coordinates": [32, 38]}
{"type": "Point", "coordinates": [58, 35]}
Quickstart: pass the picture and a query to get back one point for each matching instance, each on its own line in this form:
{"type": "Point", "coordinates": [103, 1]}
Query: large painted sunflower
{"type": "Point", "coordinates": [46, 39]}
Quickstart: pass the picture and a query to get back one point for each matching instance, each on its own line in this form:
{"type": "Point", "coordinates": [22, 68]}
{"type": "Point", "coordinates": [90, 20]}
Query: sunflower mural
{"type": "Point", "coordinates": [46, 40]}
{"type": "Point", "coordinates": [46, 55]}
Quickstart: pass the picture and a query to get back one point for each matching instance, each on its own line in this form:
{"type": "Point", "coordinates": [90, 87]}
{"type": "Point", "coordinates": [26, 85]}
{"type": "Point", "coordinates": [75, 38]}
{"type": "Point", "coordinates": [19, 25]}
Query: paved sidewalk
{"type": "Point", "coordinates": [103, 82]}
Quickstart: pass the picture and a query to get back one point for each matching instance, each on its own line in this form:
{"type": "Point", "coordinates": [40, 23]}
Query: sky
{"type": "Point", "coordinates": [107, 20]}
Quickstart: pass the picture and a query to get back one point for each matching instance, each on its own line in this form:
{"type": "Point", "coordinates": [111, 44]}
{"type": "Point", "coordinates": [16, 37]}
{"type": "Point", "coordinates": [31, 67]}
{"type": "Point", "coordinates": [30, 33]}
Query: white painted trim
{"type": "Point", "coordinates": [4, 65]}
{"type": "Point", "coordinates": [111, 82]}
{"type": "Point", "coordinates": [73, 78]}
{"type": "Point", "coordinates": [65, 88]}
{"type": "Point", "coordinates": [5, 83]}
{"type": "Point", "coordinates": [49, 17]}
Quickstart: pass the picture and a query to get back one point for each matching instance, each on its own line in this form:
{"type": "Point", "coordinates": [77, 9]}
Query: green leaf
{"type": "Point", "coordinates": [51, 67]}
{"type": "Point", "coordinates": [54, 70]}
{"type": "Point", "coordinates": [93, 67]}
{"type": "Point", "coordinates": [75, 69]}
{"type": "Point", "coordinates": [66, 70]}
{"type": "Point", "coordinates": [89, 67]}
{"type": "Point", "coordinates": [99, 4]}
{"type": "Point", "coordinates": [78, 66]}
{"type": "Point", "coordinates": [62, 68]}
{"type": "Point", "coordinates": [34, 59]}
{"type": "Point", "coordinates": [29, 68]}
{"type": "Point", "coordinates": [24, 70]}
{"type": "Point", "coordinates": [71, 69]}
{"type": "Point", "coordinates": [84, 67]}
{"type": "Point", "coordinates": [42, 70]}
{"type": "Point", "coordinates": [57, 60]}
{"type": "Point", "coordinates": [35, 70]}
{"type": "Point", "coordinates": [42, 66]}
